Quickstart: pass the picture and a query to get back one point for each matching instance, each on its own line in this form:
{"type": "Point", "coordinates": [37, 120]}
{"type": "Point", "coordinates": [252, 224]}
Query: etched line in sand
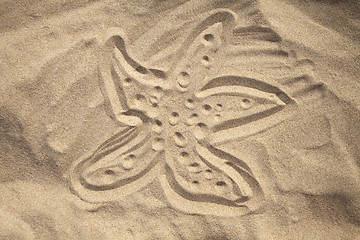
{"type": "Point", "coordinates": [256, 33]}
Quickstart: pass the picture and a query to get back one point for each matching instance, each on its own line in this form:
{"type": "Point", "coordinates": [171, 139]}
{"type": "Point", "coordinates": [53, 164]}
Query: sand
{"type": "Point", "coordinates": [179, 119]}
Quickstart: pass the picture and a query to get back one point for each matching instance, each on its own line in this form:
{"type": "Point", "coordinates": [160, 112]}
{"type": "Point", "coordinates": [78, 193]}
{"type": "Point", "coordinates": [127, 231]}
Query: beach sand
{"type": "Point", "coordinates": [298, 161]}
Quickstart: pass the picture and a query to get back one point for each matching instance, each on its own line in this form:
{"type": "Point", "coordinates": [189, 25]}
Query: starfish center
{"type": "Point", "coordinates": [180, 120]}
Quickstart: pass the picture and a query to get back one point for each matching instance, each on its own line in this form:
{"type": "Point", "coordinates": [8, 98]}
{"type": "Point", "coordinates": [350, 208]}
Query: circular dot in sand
{"type": "Point", "coordinates": [174, 118]}
{"type": "Point", "coordinates": [158, 91]}
{"type": "Point", "coordinates": [219, 107]}
{"type": "Point", "coordinates": [201, 131]}
{"type": "Point", "coordinates": [217, 117]}
{"type": "Point", "coordinates": [209, 37]}
{"type": "Point", "coordinates": [153, 99]}
{"type": "Point", "coordinates": [221, 184]}
{"type": "Point", "coordinates": [208, 174]}
{"type": "Point", "coordinates": [222, 187]}
{"type": "Point", "coordinates": [156, 94]}
{"type": "Point", "coordinates": [183, 79]}
{"type": "Point", "coordinates": [189, 103]}
{"type": "Point", "coordinates": [179, 139]}
{"type": "Point", "coordinates": [128, 162]}
{"type": "Point", "coordinates": [194, 168]}
{"type": "Point", "coordinates": [192, 119]}
{"type": "Point", "coordinates": [157, 126]}
{"type": "Point", "coordinates": [140, 100]}
{"type": "Point", "coordinates": [206, 108]}
{"type": "Point", "coordinates": [109, 172]}
{"type": "Point", "coordinates": [184, 158]}
{"type": "Point", "coordinates": [158, 144]}
{"type": "Point", "coordinates": [128, 81]}
{"type": "Point", "coordinates": [246, 103]}
{"type": "Point", "coordinates": [205, 60]}
{"type": "Point", "coordinates": [153, 111]}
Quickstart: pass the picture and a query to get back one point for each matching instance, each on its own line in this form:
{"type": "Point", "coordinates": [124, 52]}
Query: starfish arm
{"type": "Point", "coordinates": [258, 85]}
{"type": "Point", "coordinates": [120, 166]}
{"type": "Point", "coordinates": [239, 107]}
{"type": "Point", "coordinates": [211, 182]}
{"type": "Point", "coordinates": [198, 56]}
{"type": "Point", "coordinates": [124, 81]}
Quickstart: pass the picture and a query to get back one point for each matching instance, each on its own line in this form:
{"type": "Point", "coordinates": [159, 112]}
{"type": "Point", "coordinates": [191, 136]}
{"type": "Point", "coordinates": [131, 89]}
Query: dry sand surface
{"type": "Point", "coordinates": [161, 119]}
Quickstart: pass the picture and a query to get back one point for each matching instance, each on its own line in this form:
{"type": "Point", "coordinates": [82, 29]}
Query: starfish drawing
{"type": "Point", "coordinates": [174, 122]}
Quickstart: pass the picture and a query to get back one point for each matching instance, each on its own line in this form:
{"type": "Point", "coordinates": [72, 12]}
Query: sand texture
{"type": "Point", "coordinates": [179, 119]}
